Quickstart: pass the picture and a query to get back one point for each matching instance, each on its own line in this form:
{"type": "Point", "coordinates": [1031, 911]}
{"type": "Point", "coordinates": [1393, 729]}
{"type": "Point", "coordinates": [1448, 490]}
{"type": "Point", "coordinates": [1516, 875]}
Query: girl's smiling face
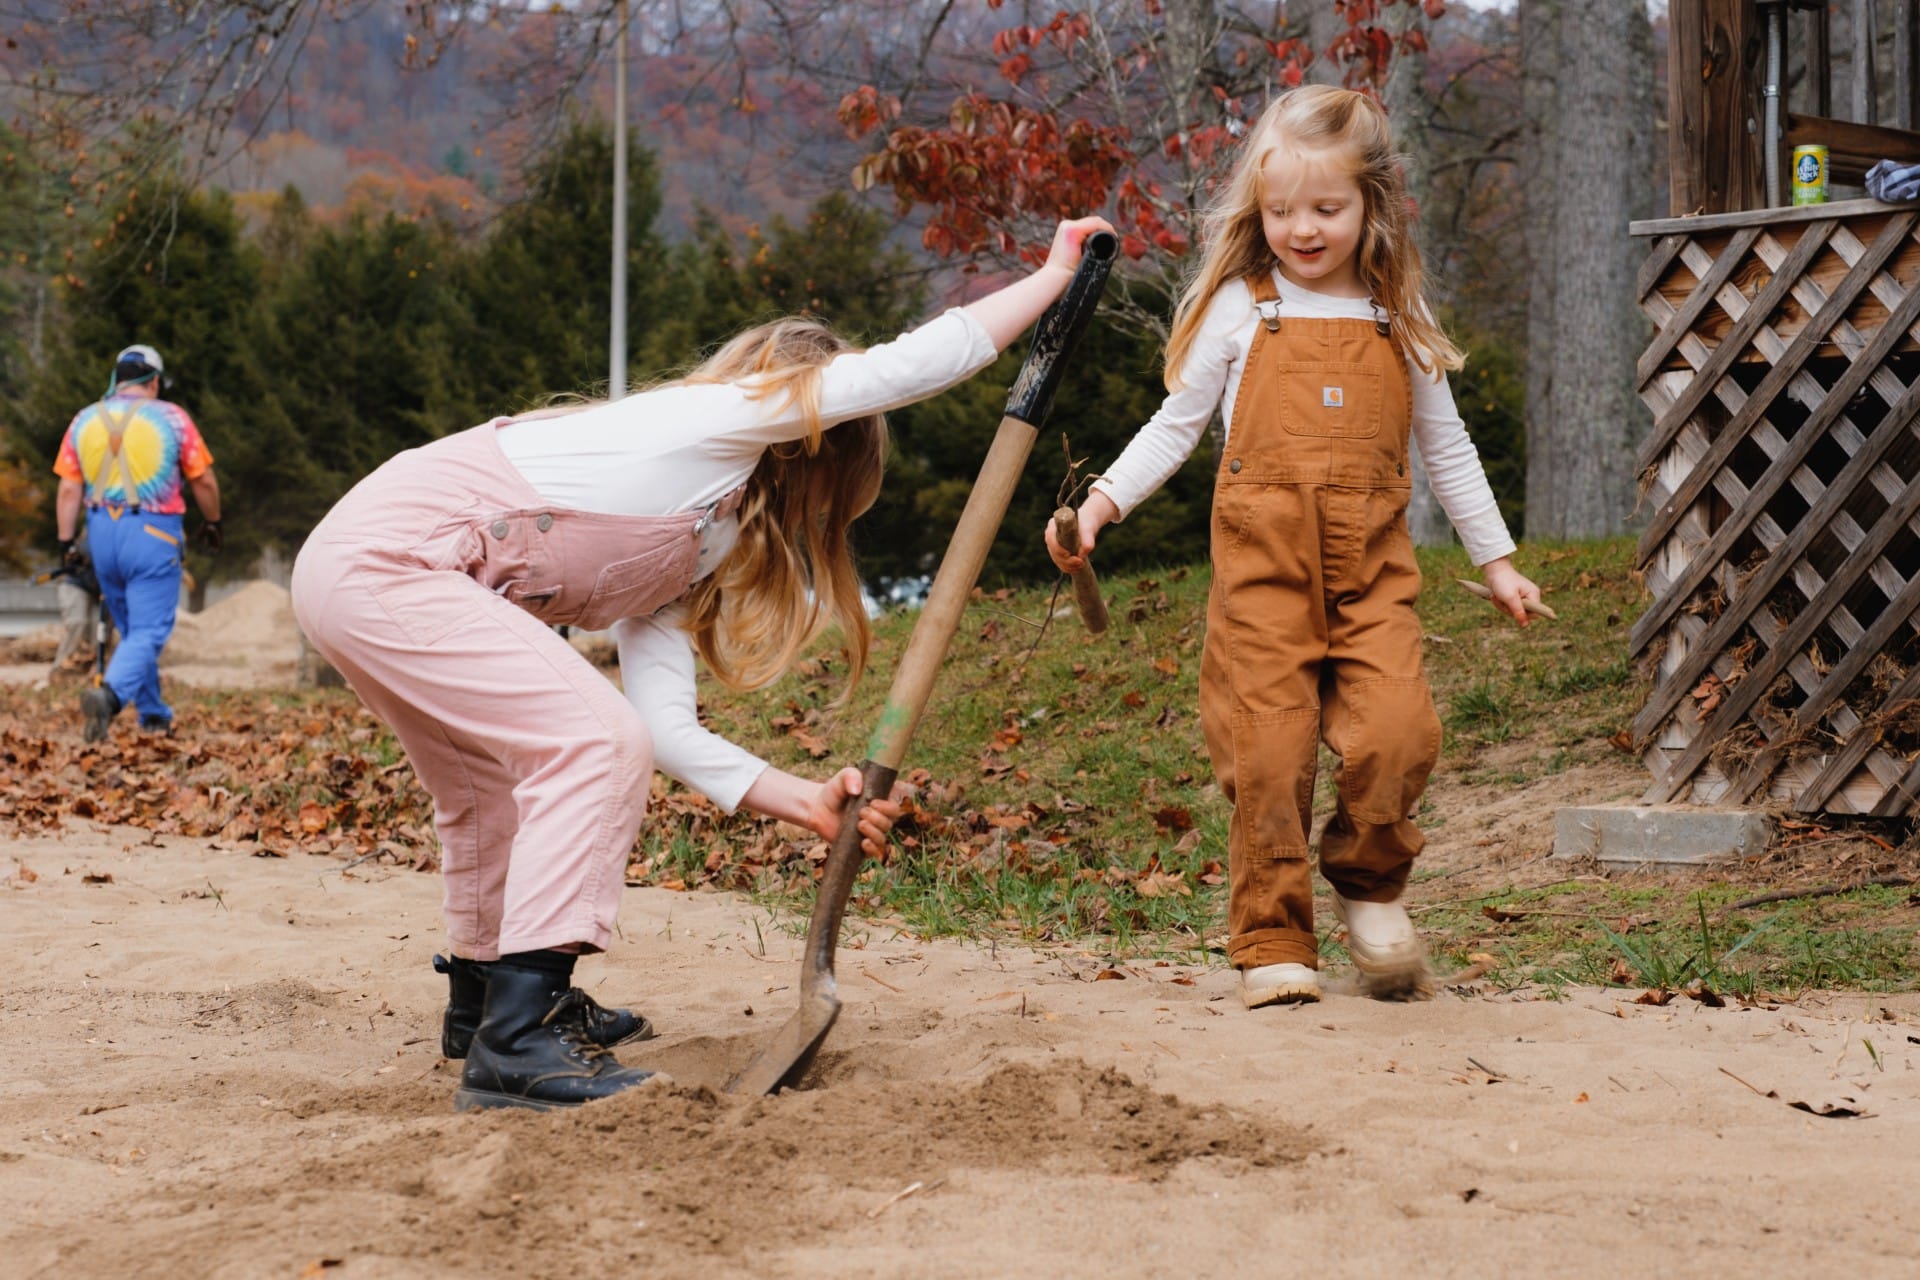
{"type": "Point", "coordinates": [1313, 214]}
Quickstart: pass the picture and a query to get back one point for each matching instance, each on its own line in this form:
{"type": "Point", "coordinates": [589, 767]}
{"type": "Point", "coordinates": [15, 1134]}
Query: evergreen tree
{"type": "Point", "coordinates": [184, 280]}
{"type": "Point", "coordinates": [366, 340]}
{"type": "Point", "coordinates": [540, 290]}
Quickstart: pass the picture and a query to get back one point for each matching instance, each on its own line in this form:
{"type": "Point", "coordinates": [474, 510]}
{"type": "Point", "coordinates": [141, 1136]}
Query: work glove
{"type": "Point", "coordinates": [210, 535]}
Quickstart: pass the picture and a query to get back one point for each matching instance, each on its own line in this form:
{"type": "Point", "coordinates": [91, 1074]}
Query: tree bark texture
{"type": "Point", "coordinates": [1581, 482]}
{"type": "Point", "coordinates": [1539, 95]}
{"type": "Point", "coordinates": [1405, 97]}
{"type": "Point", "coordinates": [1324, 25]}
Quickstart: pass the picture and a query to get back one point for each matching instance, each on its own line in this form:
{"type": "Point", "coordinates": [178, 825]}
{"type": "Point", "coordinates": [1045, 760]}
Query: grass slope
{"type": "Point", "coordinates": [1065, 796]}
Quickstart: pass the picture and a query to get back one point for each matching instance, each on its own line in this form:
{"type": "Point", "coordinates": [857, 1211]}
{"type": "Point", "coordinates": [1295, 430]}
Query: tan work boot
{"type": "Point", "coordinates": [1279, 984]}
{"type": "Point", "coordinates": [1390, 958]}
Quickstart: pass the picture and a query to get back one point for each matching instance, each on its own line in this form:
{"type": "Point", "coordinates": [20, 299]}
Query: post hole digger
{"type": "Point", "coordinates": [79, 572]}
{"type": "Point", "coordinates": [786, 1057]}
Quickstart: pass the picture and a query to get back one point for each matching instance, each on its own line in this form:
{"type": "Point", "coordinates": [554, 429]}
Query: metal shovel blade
{"type": "Point", "coordinates": [790, 1052]}
{"type": "Point", "coordinates": [788, 1055]}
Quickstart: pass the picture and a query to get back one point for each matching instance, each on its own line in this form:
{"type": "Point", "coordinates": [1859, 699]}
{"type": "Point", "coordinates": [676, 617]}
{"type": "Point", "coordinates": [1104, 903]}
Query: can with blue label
{"type": "Point", "coordinates": [1810, 174]}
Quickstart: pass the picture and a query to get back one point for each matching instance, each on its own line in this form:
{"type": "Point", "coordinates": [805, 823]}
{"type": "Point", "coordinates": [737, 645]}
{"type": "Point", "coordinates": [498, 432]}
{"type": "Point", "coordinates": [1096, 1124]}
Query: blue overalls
{"type": "Point", "coordinates": [138, 557]}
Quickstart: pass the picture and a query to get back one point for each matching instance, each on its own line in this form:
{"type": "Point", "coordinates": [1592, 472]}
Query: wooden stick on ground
{"type": "Point", "coordinates": [1824, 891]}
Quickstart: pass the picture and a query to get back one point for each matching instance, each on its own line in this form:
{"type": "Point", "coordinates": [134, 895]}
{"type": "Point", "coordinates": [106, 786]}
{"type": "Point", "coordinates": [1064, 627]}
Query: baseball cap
{"type": "Point", "coordinates": [136, 364]}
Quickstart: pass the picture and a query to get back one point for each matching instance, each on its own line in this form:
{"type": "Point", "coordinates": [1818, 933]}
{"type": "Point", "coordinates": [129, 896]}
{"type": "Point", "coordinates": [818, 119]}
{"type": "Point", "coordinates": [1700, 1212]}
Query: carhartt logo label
{"type": "Point", "coordinates": [1332, 398]}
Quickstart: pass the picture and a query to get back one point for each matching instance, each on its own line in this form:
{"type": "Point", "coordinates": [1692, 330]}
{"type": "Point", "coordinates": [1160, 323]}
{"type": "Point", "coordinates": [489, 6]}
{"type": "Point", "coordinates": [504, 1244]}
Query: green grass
{"type": "Point", "coordinates": [1098, 742]}
{"type": "Point", "coordinates": [1674, 937]}
{"type": "Point", "coordinates": [1065, 797]}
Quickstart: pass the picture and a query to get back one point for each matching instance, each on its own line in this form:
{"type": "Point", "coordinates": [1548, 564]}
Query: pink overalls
{"type": "Point", "coordinates": [434, 586]}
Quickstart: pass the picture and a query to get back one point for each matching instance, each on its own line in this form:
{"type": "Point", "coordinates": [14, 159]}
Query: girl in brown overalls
{"type": "Point", "coordinates": [1304, 323]}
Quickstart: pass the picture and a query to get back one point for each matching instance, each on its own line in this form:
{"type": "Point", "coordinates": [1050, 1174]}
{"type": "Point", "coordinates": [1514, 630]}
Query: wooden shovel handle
{"type": "Point", "coordinates": [1086, 587]}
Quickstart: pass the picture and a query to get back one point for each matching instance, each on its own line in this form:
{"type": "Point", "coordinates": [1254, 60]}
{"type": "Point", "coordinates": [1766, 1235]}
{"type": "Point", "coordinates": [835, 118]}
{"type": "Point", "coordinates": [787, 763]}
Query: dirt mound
{"type": "Point", "coordinates": [683, 1172]}
{"type": "Point", "coordinates": [252, 627]}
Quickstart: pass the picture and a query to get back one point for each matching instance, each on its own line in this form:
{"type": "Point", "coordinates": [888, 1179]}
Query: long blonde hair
{"type": "Point", "coordinates": [790, 575]}
{"type": "Point", "coordinates": [1351, 127]}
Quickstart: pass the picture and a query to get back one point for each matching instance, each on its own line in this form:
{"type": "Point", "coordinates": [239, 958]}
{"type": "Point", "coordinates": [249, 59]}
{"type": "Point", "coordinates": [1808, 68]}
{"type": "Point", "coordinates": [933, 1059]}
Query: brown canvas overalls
{"type": "Point", "coordinates": [1311, 631]}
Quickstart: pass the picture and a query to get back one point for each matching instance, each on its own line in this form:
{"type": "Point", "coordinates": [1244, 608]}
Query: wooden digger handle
{"type": "Point", "coordinates": [1086, 587]}
{"type": "Point", "coordinates": [793, 1046]}
{"type": "Point", "coordinates": [844, 859]}
{"type": "Point", "coordinates": [1054, 338]}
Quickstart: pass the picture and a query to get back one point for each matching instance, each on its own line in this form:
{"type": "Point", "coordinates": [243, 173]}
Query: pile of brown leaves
{"type": "Point", "coordinates": [316, 773]}
{"type": "Point", "coordinates": [262, 774]}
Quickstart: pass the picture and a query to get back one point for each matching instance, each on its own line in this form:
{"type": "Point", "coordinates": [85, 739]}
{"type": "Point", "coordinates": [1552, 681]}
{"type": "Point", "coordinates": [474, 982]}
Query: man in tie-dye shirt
{"type": "Point", "coordinates": [126, 460]}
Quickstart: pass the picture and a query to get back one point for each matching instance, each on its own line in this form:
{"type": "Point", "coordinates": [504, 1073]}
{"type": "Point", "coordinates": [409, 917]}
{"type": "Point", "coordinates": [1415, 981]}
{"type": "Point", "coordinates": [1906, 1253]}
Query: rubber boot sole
{"type": "Point", "coordinates": [486, 1100]}
{"type": "Point", "coordinates": [1280, 995]}
{"type": "Point", "coordinates": [469, 1099]}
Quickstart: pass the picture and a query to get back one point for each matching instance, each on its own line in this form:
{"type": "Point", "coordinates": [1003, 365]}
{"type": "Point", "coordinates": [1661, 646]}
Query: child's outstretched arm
{"type": "Point", "coordinates": [1009, 312]}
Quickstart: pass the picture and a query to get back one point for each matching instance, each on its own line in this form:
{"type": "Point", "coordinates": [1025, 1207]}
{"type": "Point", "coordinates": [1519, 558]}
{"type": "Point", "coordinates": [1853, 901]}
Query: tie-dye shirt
{"type": "Point", "coordinates": [159, 448]}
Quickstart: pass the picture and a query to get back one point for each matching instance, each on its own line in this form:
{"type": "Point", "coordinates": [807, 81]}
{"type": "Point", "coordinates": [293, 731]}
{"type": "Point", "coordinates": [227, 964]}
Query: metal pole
{"type": "Point", "coordinates": [1776, 13]}
{"type": "Point", "coordinates": [617, 339]}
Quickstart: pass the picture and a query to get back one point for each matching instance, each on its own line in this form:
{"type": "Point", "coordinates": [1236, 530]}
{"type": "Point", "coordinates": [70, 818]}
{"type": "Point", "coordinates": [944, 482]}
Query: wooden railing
{"type": "Point", "coordinates": [1782, 481]}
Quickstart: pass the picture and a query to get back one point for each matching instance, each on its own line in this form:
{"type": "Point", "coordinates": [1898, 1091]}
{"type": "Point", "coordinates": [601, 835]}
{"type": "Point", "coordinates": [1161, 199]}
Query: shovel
{"type": "Point", "coordinates": [788, 1054]}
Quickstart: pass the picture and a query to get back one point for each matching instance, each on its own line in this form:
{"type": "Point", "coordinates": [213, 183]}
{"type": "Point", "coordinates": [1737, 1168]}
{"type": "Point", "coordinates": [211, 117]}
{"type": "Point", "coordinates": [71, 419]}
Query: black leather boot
{"type": "Point", "coordinates": [532, 1047]}
{"type": "Point", "coordinates": [467, 993]}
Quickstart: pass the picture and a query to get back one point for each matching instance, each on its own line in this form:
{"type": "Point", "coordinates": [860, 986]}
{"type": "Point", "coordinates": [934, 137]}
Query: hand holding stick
{"type": "Point", "coordinates": [1086, 587]}
{"type": "Point", "coordinates": [1534, 607]}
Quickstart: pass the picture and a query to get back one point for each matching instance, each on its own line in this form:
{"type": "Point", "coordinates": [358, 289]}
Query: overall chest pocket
{"type": "Point", "coordinates": [1327, 400]}
{"type": "Point", "coordinates": [639, 585]}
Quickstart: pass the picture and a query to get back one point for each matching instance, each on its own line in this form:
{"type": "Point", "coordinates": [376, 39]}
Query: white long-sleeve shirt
{"type": "Point", "coordinates": [677, 449]}
{"type": "Point", "coordinates": [1211, 377]}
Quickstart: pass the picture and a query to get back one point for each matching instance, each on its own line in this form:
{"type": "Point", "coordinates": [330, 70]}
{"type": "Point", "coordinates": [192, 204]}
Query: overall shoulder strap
{"type": "Point", "coordinates": [112, 465]}
{"type": "Point", "coordinates": [1266, 299]}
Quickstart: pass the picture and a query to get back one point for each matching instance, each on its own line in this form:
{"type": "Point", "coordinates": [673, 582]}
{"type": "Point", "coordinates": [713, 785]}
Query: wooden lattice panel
{"type": "Point", "coordinates": [1782, 481]}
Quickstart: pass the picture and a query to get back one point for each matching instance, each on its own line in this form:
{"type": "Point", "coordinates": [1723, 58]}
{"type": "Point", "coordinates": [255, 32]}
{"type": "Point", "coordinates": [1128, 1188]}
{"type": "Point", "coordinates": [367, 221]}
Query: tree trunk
{"type": "Point", "coordinates": [1324, 25]}
{"type": "Point", "coordinates": [1585, 484]}
{"type": "Point", "coordinates": [1405, 97]}
{"type": "Point", "coordinates": [1539, 97]}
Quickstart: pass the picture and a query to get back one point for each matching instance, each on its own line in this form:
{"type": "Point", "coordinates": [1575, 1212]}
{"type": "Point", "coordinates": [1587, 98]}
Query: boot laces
{"type": "Point", "coordinates": [572, 1016]}
{"type": "Point", "coordinates": [591, 1011]}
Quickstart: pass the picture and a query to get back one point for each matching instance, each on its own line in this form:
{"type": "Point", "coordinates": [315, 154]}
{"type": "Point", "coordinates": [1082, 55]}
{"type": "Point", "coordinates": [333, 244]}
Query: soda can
{"type": "Point", "coordinates": [1810, 174]}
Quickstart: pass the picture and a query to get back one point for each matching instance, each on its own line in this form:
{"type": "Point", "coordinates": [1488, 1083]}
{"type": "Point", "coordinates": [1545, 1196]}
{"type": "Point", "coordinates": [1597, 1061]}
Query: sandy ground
{"type": "Point", "coordinates": [229, 1067]}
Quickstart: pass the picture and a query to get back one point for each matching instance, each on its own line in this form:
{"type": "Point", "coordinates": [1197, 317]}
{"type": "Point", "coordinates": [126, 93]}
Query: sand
{"type": "Point", "coordinates": [229, 1067]}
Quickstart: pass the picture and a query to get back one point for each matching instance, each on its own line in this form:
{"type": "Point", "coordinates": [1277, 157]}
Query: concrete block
{"type": "Point", "coordinates": [1672, 835]}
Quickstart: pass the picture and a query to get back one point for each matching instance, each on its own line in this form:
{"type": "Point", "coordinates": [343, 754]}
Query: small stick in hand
{"type": "Point", "coordinates": [1086, 587]}
{"type": "Point", "coordinates": [1485, 592]}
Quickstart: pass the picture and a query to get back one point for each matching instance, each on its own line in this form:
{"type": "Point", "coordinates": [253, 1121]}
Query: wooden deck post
{"type": "Point", "coordinates": [1713, 121]}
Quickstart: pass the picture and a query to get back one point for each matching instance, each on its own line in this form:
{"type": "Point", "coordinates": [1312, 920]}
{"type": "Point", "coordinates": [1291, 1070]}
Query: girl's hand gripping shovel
{"type": "Point", "coordinates": [786, 1057]}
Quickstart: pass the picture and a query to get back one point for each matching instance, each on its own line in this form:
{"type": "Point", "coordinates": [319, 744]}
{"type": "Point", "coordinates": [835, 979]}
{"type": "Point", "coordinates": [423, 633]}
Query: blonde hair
{"type": "Point", "coordinates": [790, 575]}
{"type": "Point", "coordinates": [1348, 126]}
